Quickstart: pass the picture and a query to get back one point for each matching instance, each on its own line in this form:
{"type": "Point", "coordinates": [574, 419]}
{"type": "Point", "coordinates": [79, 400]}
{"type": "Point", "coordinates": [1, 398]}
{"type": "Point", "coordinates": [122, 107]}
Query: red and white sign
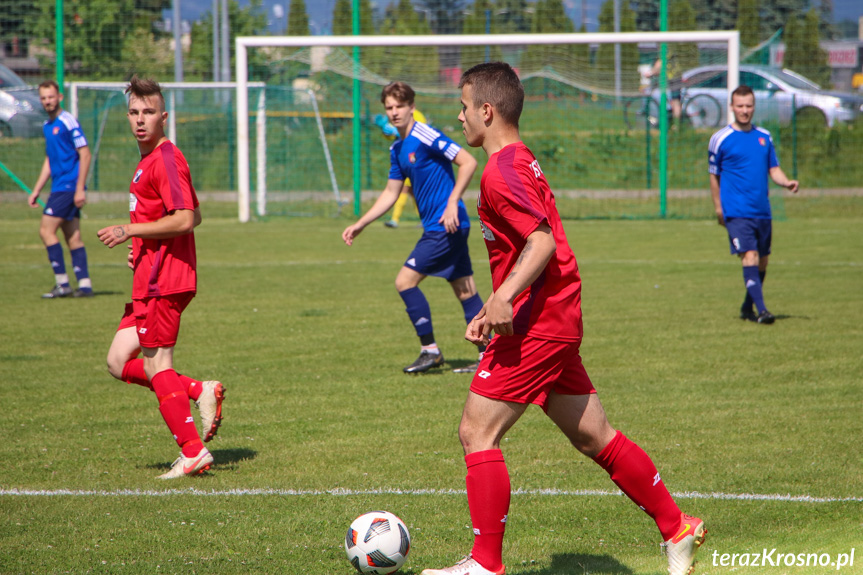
{"type": "Point", "coordinates": [839, 54]}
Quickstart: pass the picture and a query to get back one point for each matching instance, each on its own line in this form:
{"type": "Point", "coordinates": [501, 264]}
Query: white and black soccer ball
{"type": "Point", "coordinates": [377, 542]}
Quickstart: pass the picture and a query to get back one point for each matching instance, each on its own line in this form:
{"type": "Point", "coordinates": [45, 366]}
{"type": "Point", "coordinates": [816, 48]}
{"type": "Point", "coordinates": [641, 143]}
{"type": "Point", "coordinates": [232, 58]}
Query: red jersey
{"type": "Point", "coordinates": [514, 200]}
{"type": "Point", "coordinates": [162, 184]}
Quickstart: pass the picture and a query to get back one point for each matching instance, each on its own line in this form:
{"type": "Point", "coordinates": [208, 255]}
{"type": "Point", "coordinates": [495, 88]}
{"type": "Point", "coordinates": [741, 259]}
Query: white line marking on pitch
{"type": "Point", "coordinates": [346, 492]}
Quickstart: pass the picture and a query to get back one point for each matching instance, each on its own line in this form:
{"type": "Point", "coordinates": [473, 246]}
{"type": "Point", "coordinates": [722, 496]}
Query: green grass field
{"type": "Point", "coordinates": [309, 337]}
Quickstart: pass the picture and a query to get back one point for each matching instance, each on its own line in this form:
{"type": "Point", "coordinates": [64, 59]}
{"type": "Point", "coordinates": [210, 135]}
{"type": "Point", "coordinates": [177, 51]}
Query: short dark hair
{"type": "Point", "coordinates": [742, 90]}
{"type": "Point", "coordinates": [498, 84]}
{"type": "Point", "coordinates": [401, 91]}
{"type": "Point", "coordinates": [141, 88]}
{"type": "Point", "coordinates": [50, 84]}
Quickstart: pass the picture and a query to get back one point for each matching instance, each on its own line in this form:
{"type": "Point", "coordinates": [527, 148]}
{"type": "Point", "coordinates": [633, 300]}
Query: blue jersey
{"type": "Point", "coordinates": [63, 137]}
{"type": "Point", "coordinates": [743, 160]}
{"type": "Point", "coordinates": [425, 156]}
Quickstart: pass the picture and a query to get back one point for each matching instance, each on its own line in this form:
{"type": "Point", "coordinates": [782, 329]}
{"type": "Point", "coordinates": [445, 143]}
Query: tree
{"type": "Point", "coordinates": [681, 16]}
{"type": "Point", "coordinates": [482, 16]}
{"type": "Point", "coordinates": [748, 22]}
{"type": "Point", "coordinates": [14, 29]}
{"type": "Point", "coordinates": [810, 59]}
{"type": "Point", "coordinates": [370, 56]}
{"type": "Point", "coordinates": [413, 64]}
{"type": "Point", "coordinates": [715, 14]}
{"type": "Point", "coordinates": [549, 18]}
{"type": "Point", "coordinates": [629, 58]}
{"type": "Point", "coordinates": [250, 20]}
{"type": "Point", "coordinates": [792, 35]}
{"type": "Point", "coordinates": [445, 16]}
{"type": "Point", "coordinates": [298, 19]}
{"type": "Point", "coordinates": [512, 16]}
{"type": "Point", "coordinates": [825, 13]}
{"type": "Point", "coordinates": [776, 13]}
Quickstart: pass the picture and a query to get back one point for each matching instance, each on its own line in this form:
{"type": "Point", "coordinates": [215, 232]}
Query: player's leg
{"type": "Point", "coordinates": [48, 227]}
{"type": "Point", "coordinates": [418, 310]}
{"type": "Point", "coordinates": [743, 236]}
{"type": "Point", "coordinates": [484, 423]}
{"type": "Point", "coordinates": [123, 361]}
{"type": "Point", "coordinates": [471, 303]}
{"type": "Point", "coordinates": [72, 232]}
{"type": "Point", "coordinates": [582, 419]}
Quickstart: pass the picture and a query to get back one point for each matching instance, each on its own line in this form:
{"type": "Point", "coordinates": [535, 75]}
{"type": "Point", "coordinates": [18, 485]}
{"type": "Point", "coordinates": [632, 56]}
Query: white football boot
{"type": "Point", "coordinates": [467, 566]}
{"type": "Point", "coordinates": [681, 548]}
{"type": "Point", "coordinates": [184, 466]}
{"type": "Point", "coordinates": [210, 406]}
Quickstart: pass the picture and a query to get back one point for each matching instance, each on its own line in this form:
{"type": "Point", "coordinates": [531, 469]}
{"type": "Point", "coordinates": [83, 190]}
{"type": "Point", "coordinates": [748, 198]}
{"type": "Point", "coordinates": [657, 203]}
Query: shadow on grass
{"type": "Point", "coordinates": [578, 564]}
{"type": "Point", "coordinates": [224, 459]}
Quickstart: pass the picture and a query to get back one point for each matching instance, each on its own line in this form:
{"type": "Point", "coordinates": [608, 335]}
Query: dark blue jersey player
{"type": "Point", "coordinates": [67, 161]}
{"type": "Point", "coordinates": [426, 156]}
{"type": "Point", "coordinates": [741, 157]}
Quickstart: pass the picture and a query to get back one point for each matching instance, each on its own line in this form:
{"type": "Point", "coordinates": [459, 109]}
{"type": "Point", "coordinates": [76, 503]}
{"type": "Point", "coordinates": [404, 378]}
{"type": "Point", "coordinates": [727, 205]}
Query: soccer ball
{"type": "Point", "coordinates": [377, 542]}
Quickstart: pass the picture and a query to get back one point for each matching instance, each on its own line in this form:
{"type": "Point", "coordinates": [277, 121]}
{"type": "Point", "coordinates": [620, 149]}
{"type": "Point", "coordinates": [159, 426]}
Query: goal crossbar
{"type": "Point", "coordinates": [242, 43]}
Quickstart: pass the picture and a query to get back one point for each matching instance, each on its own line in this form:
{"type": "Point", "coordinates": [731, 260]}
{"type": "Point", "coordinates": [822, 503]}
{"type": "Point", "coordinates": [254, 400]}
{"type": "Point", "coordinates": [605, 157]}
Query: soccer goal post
{"type": "Point", "coordinates": [730, 40]}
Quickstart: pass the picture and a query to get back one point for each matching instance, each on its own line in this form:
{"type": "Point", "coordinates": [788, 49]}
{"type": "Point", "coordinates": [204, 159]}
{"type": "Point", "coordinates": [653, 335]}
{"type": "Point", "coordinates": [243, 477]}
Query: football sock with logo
{"type": "Point", "coordinates": [55, 256]}
{"type": "Point", "coordinates": [174, 407]}
{"type": "Point", "coordinates": [632, 470]}
{"type": "Point", "coordinates": [471, 307]}
{"type": "Point", "coordinates": [418, 310]}
{"type": "Point", "coordinates": [133, 372]}
{"type": "Point", "coordinates": [747, 302]}
{"type": "Point", "coordinates": [488, 497]}
{"type": "Point", "coordinates": [753, 286]}
{"type": "Point", "coordinates": [193, 386]}
{"type": "Point", "coordinates": [79, 264]}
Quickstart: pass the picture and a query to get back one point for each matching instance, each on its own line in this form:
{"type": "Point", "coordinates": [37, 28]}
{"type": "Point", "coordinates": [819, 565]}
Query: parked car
{"type": "Point", "coordinates": [21, 113]}
{"type": "Point", "coordinates": [780, 95]}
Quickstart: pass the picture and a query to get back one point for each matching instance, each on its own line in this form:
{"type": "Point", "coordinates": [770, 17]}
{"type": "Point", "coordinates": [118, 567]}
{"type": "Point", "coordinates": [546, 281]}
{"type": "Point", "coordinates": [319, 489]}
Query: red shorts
{"type": "Point", "coordinates": [524, 369]}
{"type": "Point", "coordinates": [157, 319]}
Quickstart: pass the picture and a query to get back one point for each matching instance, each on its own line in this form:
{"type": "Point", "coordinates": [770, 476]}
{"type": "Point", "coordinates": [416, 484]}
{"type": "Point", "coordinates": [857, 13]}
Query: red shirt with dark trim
{"type": "Point", "coordinates": [161, 184]}
{"type": "Point", "coordinates": [514, 200]}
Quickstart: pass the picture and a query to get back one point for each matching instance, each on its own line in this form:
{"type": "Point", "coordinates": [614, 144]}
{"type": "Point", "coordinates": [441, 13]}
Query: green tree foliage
{"type": "Point", "coordinates": [825, 14]}
{"type": "Point", "coordinates": [372, 56]}
{"type": "Point", "coordinates": [749, 22]}
{"type": "Point", "coordinates": [512, 16]}
{"type": "Point", "coordinates": [629, 60]}
{"type": "Point", "coordinates": [14, 20]}
{"type": "Point", "coordinates": [549, 18]}
{"type": "Point", "coordinates": [413, 64]}
{"type": "Point", "coordinates": [298, 19]}
{"type": "Point", "coordinates": [445, 16]}
{"type": "Point", "coordinates": [681, 16]}
{"type": "Point", "coordinates": [250, 20]}
{"type": "Point", "coordinates": [715, 14]}
{"type": "Point", "coordinates": [481, 16]}
{"type": "Point", "coordinates": [803, 52]}
{"type": "Point", "coordinates": [775, 13]}
{"type": "Point", "coordinates": [97, 35]}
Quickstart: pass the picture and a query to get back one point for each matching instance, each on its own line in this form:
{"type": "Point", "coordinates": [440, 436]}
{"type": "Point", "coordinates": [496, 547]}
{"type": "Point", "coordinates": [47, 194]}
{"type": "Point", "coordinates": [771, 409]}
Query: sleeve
{"type": "Point", "coordinates": [714, 160]}
{"type": "Point", "coordinates": [772, 159]}
{"type": "Point", "coordinates": [519, 201]}
{"type": "Point", "coordinates": [443, 147]}
{"type": "Point", "coordinates": [395, 169]}
{"type": "Point", "coordinates": [174, 182]}
{"type": "Point", "coordinates": [78, 138]}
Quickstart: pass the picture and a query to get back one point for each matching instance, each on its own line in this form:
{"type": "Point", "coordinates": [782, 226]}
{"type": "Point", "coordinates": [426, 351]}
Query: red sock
{"type": "Point", "coordinates": [633, 471]}
{"type": "Point", "coordinates": [174, 406]}
{"type": "Point", "coordinates": [133, 372]}
{"type": "Point", "coordinates": [193, 386]}
{"type": "Point", "coordinates": [488, 495]}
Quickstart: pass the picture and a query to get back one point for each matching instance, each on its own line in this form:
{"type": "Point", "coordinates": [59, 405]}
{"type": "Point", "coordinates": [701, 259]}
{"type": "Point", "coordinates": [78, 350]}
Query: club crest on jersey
{"type": "Point", "coordinates": [137, 176]}
{"type": "Point", "coordinates": [762, 141]}
{"type": "Point", "coordinates": [56, 130]}
{"type": "Point", "coordinates": [412, 158]}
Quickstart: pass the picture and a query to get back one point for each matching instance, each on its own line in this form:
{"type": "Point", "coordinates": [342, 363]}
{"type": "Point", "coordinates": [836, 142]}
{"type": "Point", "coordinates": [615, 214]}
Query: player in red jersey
{"type": "Point", "coordinates": [164, 211]}
{"type": "Point", "coordinates": [535, 308]}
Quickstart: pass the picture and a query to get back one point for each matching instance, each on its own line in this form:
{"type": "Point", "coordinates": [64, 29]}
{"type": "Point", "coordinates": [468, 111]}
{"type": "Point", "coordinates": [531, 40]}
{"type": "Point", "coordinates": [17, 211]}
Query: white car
{"type": "Point", "coordinates": [780, 95]}
{"type": "Point", "coordinates": [21, 113]}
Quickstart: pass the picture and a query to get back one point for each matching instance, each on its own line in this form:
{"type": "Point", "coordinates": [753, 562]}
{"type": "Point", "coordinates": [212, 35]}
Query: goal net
{"type": "Point", "coordinates": [591, 114]}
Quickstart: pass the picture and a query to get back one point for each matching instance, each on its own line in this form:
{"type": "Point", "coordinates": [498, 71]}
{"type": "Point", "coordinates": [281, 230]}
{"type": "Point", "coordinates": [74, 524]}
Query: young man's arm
{"type": "Point", "coordinates": [175, 223]}
{"type": "Point", "coordinates": [44, 174]}
{"type": "Point", "coordinates": [717, 203]}
{"type": "Point", "coordinates": [83, 169]}
{"type": "Point", "coordinates": [778, 176]}
{"type": "Point", "coordinates": [381, 206]}
{"type": "Point", "coordinates": [466, 168]}
{"type": "Point", "coordinates": [496, 314]}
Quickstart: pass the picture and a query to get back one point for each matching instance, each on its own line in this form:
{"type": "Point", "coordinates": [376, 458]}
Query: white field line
{"type": "Point", "coordinates": [389, 491]}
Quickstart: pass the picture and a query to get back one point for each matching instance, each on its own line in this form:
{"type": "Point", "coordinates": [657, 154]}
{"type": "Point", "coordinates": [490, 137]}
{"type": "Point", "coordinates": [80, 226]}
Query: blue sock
{"type": "Point", "coordinates": [753, 286]}
{"type": "Point", "coordinates": [79, 264]}
{"type": "Point", "coordinates": [747, 301]}
{"type": "Point", "coordinates": [418, 310]}
{"type": "Point", "coordinates": [55, 256]}
{"type": "Point", "coordinates": [471, 307]}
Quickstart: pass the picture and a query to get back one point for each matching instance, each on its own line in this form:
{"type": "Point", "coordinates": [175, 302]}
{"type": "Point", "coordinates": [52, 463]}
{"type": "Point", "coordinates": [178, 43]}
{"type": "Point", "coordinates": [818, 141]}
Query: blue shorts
{"type": "Point", "coordinates": [62, 205]}
{"type": "Point", "coordinates": [442, 255]}
{"type": "Point", "coordinates": [749, 235]}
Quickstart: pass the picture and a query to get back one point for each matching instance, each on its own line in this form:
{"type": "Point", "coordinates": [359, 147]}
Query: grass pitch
{"type": "Point", "coordinates": [756, 427]}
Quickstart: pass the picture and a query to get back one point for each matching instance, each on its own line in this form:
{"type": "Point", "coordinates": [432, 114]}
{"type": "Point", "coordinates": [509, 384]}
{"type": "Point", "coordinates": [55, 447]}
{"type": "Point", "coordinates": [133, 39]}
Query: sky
{"type": "Point", "coordinates": [321, 11]}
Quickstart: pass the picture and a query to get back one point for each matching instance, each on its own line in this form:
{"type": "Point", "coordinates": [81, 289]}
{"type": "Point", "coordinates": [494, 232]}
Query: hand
{"type": "Point", "coordinates": [351, 232]}
{"type": "Point", "coordinates": [720, 218]}
{"type": "Point", "coordinates": [80, 198]}
{"type": "Point", "coordinates": [114, 235]}
{"type": "Point", "coordinates": [449, 219]}
{"type": "Point", "coordinates": [475, 332]}
{"type": "Point", "coordinates": [498, 317]}
{"type": "Point", "coordinates": [33, 199]}
{"type": "Point", "coordinates": [793, 186]}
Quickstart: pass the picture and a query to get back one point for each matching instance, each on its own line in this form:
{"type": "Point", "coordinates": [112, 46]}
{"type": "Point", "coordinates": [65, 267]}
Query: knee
{"type": "Point", "coordinates": [403, 285]}
{"type": "Point", "coordinates": [115, 367]}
